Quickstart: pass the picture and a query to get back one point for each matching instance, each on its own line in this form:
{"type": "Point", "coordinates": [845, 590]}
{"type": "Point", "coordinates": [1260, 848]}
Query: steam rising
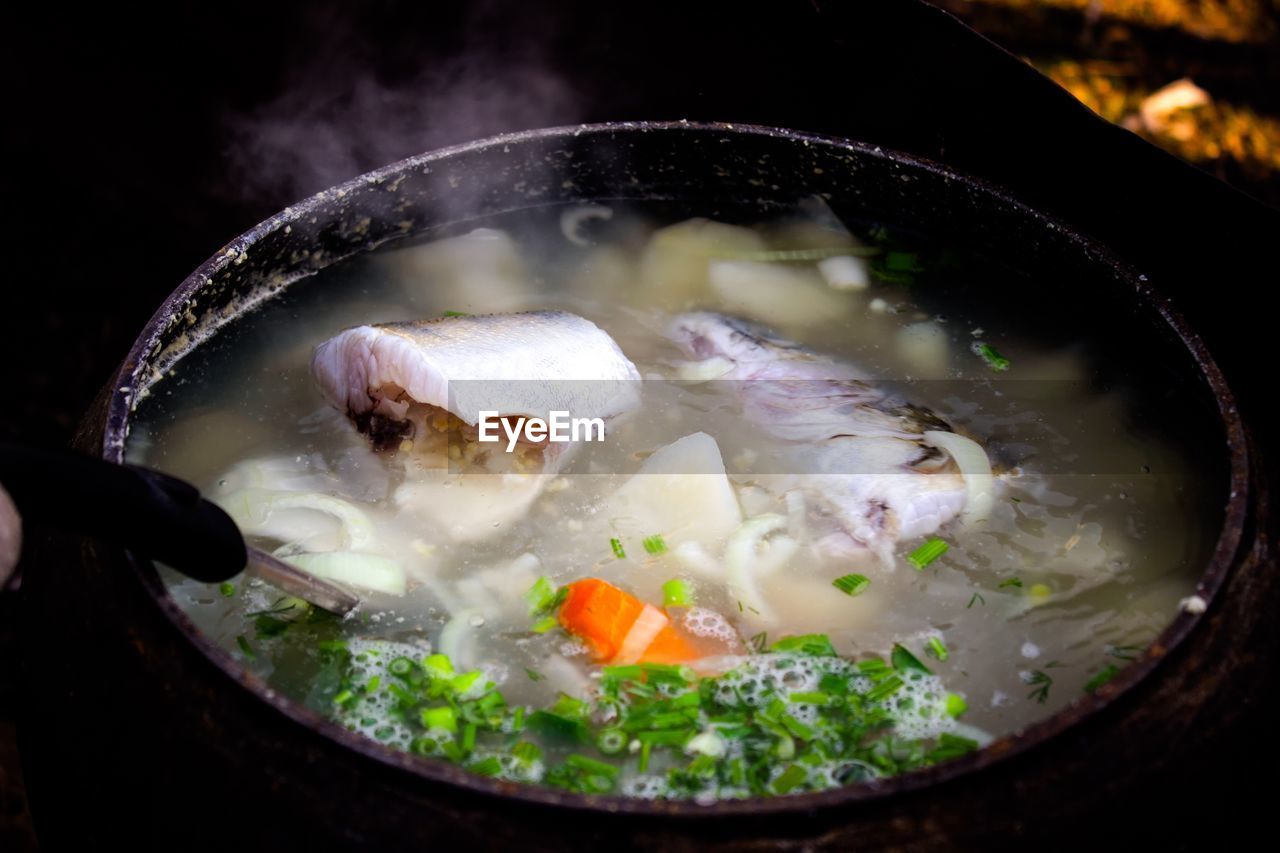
{"type": "Point", "coordinates": [340, 113]}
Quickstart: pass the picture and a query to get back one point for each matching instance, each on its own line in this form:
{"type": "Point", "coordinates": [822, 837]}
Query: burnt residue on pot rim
{"type": "Point", "coordinates": [176, 327]}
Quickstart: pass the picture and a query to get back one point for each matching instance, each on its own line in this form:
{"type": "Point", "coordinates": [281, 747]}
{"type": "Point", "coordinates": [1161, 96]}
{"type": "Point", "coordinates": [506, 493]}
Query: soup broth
{"type": "Point", "coordinates": [816, 661]}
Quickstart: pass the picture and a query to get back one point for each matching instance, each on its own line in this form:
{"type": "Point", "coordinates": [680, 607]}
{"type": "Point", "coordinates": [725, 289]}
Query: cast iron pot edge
{"type": "Point", "coordinates": [134, 375]}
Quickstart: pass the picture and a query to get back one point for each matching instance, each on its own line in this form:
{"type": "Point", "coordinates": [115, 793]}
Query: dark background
{"type": "Point", "coordinates": [137, 143]}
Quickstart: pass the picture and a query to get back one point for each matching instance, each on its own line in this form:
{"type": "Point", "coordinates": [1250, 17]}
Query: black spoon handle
{"type": "Point", "coordinates": [146, 511]}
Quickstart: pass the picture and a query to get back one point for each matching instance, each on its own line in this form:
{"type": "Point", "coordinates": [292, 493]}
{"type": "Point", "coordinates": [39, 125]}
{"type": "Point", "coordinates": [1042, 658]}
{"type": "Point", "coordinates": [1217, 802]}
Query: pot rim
{"type": "Point", "coordinates": [133, 375]}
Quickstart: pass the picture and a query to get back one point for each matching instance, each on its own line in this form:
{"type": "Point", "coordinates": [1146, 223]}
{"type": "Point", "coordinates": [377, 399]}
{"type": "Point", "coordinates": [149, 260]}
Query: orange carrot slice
{"type": "Point", "coordinates": [601, 614]}
{"type": "Point", "coordinates": [669, 647]}
{"type": "Point", "coordinates": [621, 628]}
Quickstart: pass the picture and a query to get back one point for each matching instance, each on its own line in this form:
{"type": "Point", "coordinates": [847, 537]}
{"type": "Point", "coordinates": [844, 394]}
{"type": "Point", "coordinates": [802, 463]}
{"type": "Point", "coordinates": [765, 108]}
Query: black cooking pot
{"type": "Point", "coordinates": [139, 730]}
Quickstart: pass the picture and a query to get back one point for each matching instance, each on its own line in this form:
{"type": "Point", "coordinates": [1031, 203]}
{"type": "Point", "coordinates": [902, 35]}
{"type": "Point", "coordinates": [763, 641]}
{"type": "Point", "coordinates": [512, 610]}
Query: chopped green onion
{"type": "Point", "coordinates": [884, 689]}
{"type": "Point", "coordinates": [951, 746]}
{"type": "Point", "coordinates": [812, 645]}
{"type": "Point", "coordinates": [540, 596]}
{"type": "Point", "coordinates": [545, 624]}
{"type": "Point", "coordinates": [570, 707]}
{"type": "Point", "coordinates": [956, 705]}
{"type": "Point", "coordinates": [904, 661]}
{"type": "Point", "coordinates": [490, 766]}
{"type": "Point", "coordinates": [455, 314]}
{"type": "Point", "coordinates": [227, 589]}
{"type": "Point", "coordinates": [791, 778]}
{"type": "Point", "coordinates": [400, 667]}
{"type": "Point", "coordinates": [527, 752]}
{"type": "Point", "coordinates": [611, 741]}
{"type": "Point", "coordinates": [937, 648]}
{"type": "Point", "coordinates": [552, 725]}
{"type": "Point", "coordinates": [671, 737]}
{"type": "Point", "coordinates": [1104, 675]}
{"type": "Point", "coordinates": [927, 553]}
{"type": "Point", "coordinates": [462, 683]}
{"type": "Point", "coordinates": [438, 666]}
{"type": "Point", "coordinates": [991, 356]}
{"type": "Point", "coordinates": [245, 647]}
{"type": "Point", "coordinates": [591, 765]}
{"type": "Point", "coordinates": [977, 596]}
{"type": "Point", "coordinates": [677, 593]}
{"type": "Point", "coordinates": [1016, 582]}
{"type": "Point", "coordinates": [616, 545]}
{"type": "Point", "coordinates": [874, 668]}
{"type": "Point", "coordinates": [344, 697]}
{"type": "Point", "coordinates": [439, 719]}
{"type": "Point", "coordinates": [758, 643]}
{"type": "Point", "coordinates": [655, 545]}
{"type": "Point", "coordinates": [852, 584]}
{"type": "Point", "coordinates": [533, 674]}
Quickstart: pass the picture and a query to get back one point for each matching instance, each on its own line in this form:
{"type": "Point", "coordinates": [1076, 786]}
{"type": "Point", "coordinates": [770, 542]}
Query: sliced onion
{"type": "Point", "coordinates": [974, 466]}
{"type": "Point", "coordinates": [644, 631]}
{"type": "Point", "coordinates": [251, 509]}
{"type": "Point", "coordinates": [741, 556]}
{"type": "Point", "coordinates": [367, 571]}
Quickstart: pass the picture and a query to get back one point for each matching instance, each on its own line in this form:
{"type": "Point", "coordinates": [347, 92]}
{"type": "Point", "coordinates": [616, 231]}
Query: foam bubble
{"type": "Point", "coordinates": [702, 622]}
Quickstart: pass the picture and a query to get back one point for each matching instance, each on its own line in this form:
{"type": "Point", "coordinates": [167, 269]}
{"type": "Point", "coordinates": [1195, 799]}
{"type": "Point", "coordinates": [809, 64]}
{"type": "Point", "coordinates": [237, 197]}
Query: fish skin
{"type": "Point", "coordinates": [856, 448]}
{"type": "Point", "coordinates": [516, 364]}
{"type": "Point", "coordinates": [519, 364]}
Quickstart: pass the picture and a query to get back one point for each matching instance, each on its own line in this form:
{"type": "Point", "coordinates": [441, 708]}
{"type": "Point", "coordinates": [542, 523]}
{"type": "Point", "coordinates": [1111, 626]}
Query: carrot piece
{"type": "Point", "coordinates": [601, 614]}
{"type": "Point", "coordinates": [669, 647]}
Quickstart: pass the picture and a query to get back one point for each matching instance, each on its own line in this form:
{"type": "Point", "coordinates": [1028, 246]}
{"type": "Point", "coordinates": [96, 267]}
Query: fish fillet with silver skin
{"type": "Point", "coordinates": [869, 464]}
{"type": "Point", "coordinates": [416, 389]}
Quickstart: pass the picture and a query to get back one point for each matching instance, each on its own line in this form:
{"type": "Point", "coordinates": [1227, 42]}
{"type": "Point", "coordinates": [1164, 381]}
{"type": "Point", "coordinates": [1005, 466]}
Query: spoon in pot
{"type": "Point", "coordinates": [152, 514]}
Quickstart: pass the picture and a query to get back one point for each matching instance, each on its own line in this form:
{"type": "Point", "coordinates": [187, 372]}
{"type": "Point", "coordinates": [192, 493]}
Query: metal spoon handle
{"type": "Point", "coordinates": [290, 579]}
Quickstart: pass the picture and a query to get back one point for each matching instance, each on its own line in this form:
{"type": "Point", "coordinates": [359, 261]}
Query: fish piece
{"type": "Point", "coordinates": [858, 450]}
{"type": "Point", "coordinates": [417, 389]}
{"type": "Point", "coordinates": [518, 364]}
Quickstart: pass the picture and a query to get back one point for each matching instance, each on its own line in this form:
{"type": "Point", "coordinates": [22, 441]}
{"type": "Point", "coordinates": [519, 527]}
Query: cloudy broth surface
{"type": "Point", "coordinates": [1091, 541]}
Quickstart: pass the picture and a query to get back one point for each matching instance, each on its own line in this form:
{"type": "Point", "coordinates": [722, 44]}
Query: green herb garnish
{"type": "Point", "coordinates": [1017, 582]}
{"type": "Point", "coordinates": [991, 356]}
{"type": "Point", "coordinates": [616, 545]}
{"type": "Point", "coordinates": [677, 593]}
{"type": "Point", "coordinates": [1041, 682]}
{"type": "Point", "coordinates": [852, 584]}
{"type": "Point", "coordinates": [812, 645]}
{"type": "Point", "coordinates": [1103, 675]}
{"type": "Point", "coordinates": [654, 544]}
{"type": "Point", "coordinates": [937, 648]}
{"type": "Point", "coordinates": [927, 553]}
{"type": "Point", "coordinates": [904, 661]}
{"type": "Point", "coordinates": [227, 589]}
